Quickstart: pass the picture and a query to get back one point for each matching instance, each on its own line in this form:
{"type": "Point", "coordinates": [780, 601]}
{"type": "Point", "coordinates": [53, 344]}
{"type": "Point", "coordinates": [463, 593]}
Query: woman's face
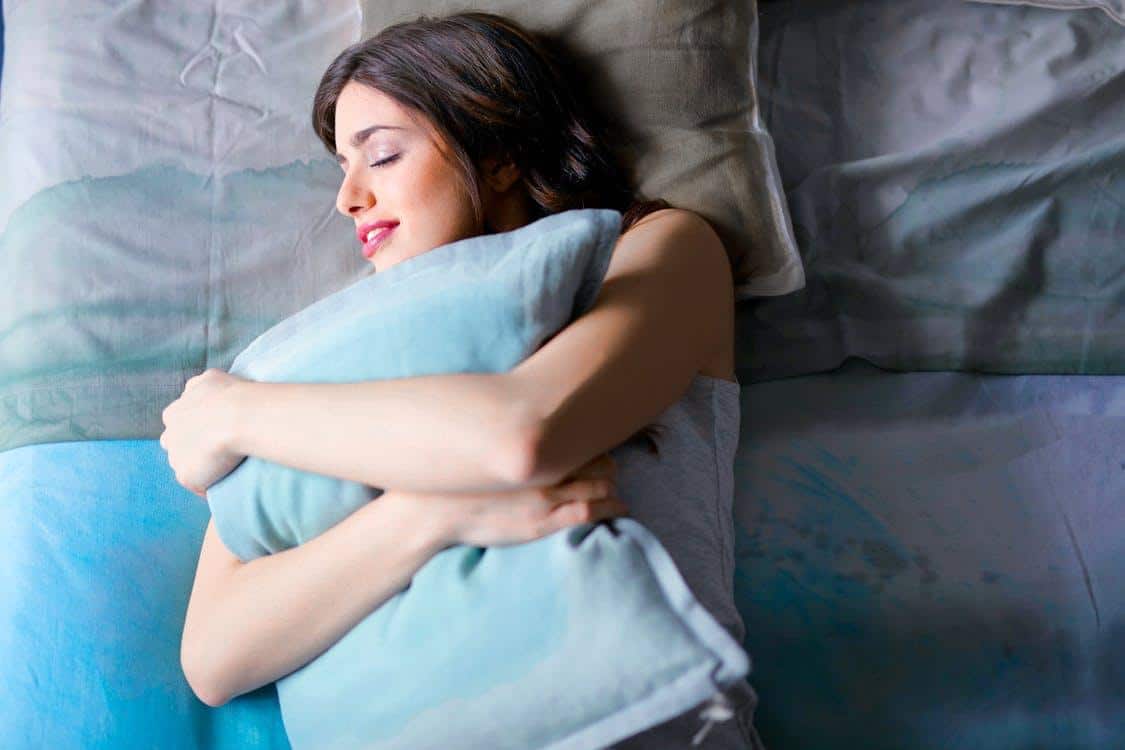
{"type": "Point", "coordinates": [396, 173]}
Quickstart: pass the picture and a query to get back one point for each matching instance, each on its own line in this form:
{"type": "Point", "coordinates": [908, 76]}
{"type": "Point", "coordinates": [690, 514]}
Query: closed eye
{"type": "Point", "coordinates": [384, 162]}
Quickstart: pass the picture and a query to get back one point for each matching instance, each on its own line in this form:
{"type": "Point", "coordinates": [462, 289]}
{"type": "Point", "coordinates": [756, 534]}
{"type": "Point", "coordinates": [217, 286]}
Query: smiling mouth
{"type": "Point", "coordinates": [377, 238]}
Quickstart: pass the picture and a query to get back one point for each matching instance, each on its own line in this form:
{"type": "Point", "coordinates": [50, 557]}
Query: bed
{"type": "Point", "coordinates": [929, 475]}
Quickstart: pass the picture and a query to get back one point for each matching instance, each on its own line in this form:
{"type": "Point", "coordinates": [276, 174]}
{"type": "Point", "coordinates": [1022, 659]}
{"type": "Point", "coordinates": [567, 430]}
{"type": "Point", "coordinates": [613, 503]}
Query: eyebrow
{"type": "Point", "coordinates": [363, 135]}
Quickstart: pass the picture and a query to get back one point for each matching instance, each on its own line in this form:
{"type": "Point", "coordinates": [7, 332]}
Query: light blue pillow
{"type": "Point", "coordinates": [483, 304]}
{"type": "Point", "coordinates": [575, 640]}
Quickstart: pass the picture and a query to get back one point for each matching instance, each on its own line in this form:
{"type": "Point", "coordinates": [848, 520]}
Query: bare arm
{"type": "Point", "coordinates": [464, 432]}
{"type": "Point", "coordinates": [599, 380]}
{"type": "Point", "coordinates": [249, 624]}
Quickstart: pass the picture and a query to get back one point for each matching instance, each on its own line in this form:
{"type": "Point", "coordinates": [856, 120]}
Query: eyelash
{"type": "Point", "coordinates": [384, 162]}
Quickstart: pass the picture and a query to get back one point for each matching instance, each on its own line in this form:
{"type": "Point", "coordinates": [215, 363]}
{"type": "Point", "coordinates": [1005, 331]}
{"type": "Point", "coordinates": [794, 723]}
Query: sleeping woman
{"type": "Point", "coordinates": [445, 129]}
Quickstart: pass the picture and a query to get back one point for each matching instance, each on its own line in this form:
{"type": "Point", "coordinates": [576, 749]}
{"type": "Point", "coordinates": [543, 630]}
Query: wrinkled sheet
{"type": "Point", "coordinates": [1115, 9]}
{"type": "Point", "coordinates": [933, 560]}
{"type": "Point", "coordinates": [956, 178]}
{"type": "Point", "coordinates": [164, 200]}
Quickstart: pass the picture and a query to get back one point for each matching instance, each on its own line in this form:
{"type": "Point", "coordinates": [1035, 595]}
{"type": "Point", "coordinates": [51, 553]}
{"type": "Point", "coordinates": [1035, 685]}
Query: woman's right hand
{"type": "Point", "coordinates": [498, 519]}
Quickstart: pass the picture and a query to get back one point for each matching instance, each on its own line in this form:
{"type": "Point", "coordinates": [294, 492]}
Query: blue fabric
{"type": "Point", "coordinates": [572, 641]}
{"type": "Point", "coordinates": [98, 548]}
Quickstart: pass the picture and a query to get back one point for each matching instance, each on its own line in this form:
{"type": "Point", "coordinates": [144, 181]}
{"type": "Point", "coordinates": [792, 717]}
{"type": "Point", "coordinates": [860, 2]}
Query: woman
{"type": "Point", "coordinates": [445, 129]}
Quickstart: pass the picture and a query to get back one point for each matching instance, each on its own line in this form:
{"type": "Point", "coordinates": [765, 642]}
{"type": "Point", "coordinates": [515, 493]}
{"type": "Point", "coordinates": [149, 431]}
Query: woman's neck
{"type": "Point", "coordinates": [510, 210]}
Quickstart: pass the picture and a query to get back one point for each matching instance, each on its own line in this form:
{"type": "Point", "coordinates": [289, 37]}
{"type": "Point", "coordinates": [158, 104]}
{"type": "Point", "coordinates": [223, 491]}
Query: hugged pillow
{"type": "Point", "coordinates": [680, 78]}
{"type": "Point", "coordinates": [574, 640]}
{"type": "Point", "coordinates": [481, 304]}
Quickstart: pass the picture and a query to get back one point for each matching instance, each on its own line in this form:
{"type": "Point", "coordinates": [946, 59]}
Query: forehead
{"type": "Point", "coordinates": [358, 102]}
{"type": "Point", "coordinates": [360, 108]}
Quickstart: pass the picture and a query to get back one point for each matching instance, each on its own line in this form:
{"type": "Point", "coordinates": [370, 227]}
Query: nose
{"type": "Point", "coordinates": [353, 198]}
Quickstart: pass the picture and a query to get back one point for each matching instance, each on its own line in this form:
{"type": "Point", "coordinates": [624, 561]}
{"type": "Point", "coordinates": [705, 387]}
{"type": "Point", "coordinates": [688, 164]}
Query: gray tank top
{"type": "Point", "coordinates": [684, 496]}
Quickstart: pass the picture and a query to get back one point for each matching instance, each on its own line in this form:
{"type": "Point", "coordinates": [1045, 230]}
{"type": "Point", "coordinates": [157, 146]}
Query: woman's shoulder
{"type": "Point", "coordinates": [681, 226]}
{"type": "Point", "coordinates": [671, 218]}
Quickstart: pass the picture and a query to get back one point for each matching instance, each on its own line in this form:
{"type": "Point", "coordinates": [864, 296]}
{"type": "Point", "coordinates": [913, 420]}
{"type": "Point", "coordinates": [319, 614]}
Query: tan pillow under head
{"type": "Point", "coordinates": [680, 76]}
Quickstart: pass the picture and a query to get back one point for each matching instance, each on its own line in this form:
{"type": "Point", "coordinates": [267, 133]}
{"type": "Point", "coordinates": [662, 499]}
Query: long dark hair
{"type": "Point", "coordinates": [491, 88]}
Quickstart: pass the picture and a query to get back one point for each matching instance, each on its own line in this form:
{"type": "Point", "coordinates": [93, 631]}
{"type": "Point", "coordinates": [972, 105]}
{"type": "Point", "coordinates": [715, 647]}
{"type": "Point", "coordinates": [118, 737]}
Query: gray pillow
{"type": "Point", "coordinates": [680, 76]}
{"type": "Point", "coordinates": [956, 178]}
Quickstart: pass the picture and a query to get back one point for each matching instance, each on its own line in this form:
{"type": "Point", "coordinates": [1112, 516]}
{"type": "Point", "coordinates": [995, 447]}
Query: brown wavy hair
{"type": "Point", "coordinates": [491, 88]}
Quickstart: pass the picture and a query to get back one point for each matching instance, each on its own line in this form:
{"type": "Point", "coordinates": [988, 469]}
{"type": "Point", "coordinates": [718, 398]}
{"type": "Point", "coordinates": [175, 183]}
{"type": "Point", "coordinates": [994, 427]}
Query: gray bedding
{"type": "Point", "coordinates": [954, 175]}
{"type": "Point", "coordinates": [933, 560]}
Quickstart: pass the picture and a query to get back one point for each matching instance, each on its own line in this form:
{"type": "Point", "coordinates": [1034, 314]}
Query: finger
{"type": "Point", "coordinates": [582, 490]}
{"type": "Point", "coordinates": [194, 380]}
{"type": "Point", "coordinates": [593, 511]}
{"type": "Point", "coordinates": [569, 514]}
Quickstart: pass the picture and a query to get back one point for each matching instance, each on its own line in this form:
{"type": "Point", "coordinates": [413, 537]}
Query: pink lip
{"type": "Point", "coordinates": [361, 233]}
{"type": "Point", "coordinates": [369, 248]}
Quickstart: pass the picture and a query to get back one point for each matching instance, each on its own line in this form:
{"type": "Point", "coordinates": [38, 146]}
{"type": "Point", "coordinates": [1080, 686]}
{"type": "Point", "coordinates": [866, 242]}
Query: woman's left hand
{"type": "Point", "coordinates": [197, 431]}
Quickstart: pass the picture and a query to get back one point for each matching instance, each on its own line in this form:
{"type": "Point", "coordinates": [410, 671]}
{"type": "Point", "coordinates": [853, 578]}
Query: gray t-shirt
{"type": "Point", "coordinates": [683, 496]}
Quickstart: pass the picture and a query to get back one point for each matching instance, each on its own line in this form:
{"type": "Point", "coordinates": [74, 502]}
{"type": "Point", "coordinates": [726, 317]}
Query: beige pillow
{"type": "Point", "coordinates": [681, 76]}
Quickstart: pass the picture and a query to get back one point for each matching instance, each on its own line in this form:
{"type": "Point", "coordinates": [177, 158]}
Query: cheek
{"type": "Point", "coordinates": [437, 183]}
{"type": "Point", "coordinates": [444, 198]}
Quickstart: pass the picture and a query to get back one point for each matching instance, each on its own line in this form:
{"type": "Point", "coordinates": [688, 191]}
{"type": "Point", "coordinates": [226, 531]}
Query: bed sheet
{"type": "Point", "coordinates": [955, 173]}
{"type": "Point", "coordinates": [933, 560]}
{"type": "Point", "coordinates": [164, 200]}
{"type": "Point", "coordinates": [1114, 9]}
{"type": "Point", "coordinates": [923, 560]}
{"type": "Point", "coordinates": [98, 549]}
